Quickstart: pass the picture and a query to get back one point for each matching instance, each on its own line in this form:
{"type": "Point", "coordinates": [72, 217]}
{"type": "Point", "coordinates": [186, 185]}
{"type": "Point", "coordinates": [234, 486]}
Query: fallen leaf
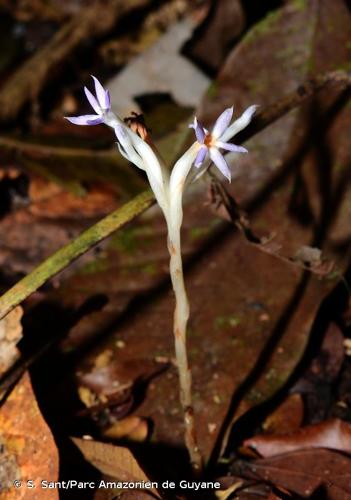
{"type": "Point", "coordinates": [221, 27]}
{"type": "Point", "coordinates": [113, 461]}
{"type": "Point", "coordinates": [306, 472]}
{"type": "Point", "coordinates": [160, 69]}
{"type": "Point", "coordinates": [28, 450]}
{"type": "Point", "coordinates": [287, 417]}
{"type": "Point", "coordinates": [334, 434]}
{"type": "Point", "coordinates": [133, 428]}
{"type": "Point", "coordinates": [10, 335]}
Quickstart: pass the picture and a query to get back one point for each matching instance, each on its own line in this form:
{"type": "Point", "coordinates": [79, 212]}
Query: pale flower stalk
{"type": "Point", "coordinates": [168, 190]}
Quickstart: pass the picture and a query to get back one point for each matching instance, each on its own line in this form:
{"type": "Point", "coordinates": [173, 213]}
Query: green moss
{"type": "Point", "coordinates": [300, 4]}
{"type": "Point", "coordinates": [259, 84]}
{"type": "Point", "coordinates": [124, 240]}
{"type": "Point", "coordinates": [149, 269]}
{"type": "Point", "coordinates": [254, 396]}
{"type": "Point", "coordinates": [238, 342]}
{"type": "Point", "coordinates": [197, 232]}
{"type": "Point", "coordinates": [213, 90]}
{"type": "Point", "coordinates": [226, 321]}
{"type": "Point", "coordinates": [94, 267]}
{"type": "Point", "coordinates": [263, 27]}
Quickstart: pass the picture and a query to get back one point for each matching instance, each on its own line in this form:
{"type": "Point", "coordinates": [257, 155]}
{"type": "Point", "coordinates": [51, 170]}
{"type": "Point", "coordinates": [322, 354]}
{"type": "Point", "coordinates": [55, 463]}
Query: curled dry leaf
{"type": "Point", "coordinates": [334, 434]}
{"type": "Point", "coordinates": [10, 335]}
{"type": "Point", "coordinates": [224, 494]}
{"type": "Point", "coordinates": [28, 450]}
{"type": "Point", "coordinates": [133, 428]}
{"type": "Point", "coordinates": [114, 461]}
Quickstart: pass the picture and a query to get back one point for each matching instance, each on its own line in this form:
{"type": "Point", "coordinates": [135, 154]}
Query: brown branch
{"type": "Point", "coordinates": [270, 114]}
{"type": "Point", "coordinates": [27, 82]}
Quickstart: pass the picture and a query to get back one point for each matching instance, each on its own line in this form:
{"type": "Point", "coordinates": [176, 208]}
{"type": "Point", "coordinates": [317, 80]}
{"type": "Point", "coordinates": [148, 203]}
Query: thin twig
{"type": "Point", "coordinates": [228, 209]}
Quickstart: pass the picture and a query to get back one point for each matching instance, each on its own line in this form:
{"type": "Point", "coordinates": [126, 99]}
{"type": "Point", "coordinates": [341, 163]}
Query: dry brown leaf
{"type": "Point", "coordinates": [132, 427]}
{"type": "Point", "coordinates": [224, 494]}
{"type": "Point", "coordinates": [28, 450]}
{"type": "Point", "coordinates": [305, 472]}
{"type": "Point", "coordinates": [10, 335]}
{"type": "Point", "coordinates": [114, 461]}
{"type": "Point", "coordinates": [334, 434]}
{"type": "Point", "coordinates": [287, 417]}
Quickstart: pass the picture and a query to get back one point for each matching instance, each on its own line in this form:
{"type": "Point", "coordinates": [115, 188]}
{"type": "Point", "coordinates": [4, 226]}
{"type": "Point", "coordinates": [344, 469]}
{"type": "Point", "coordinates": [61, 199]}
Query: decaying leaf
{"type": "Point", "coordinates": [334, 434]}
{"type": "Point", "coordinates": [160, 69]}
{"type": "Point", "coordinates": [305, 472]}
{"type": "Point", "coordinates": [223, 24]}
{"type": "Point", "coordinates": [28, 450]}
{"type": "Point", "coordinates": [10, 335]}
{"type": "Point", "coordinates": [287, 417]}
{"type": "Point", "coordinates": [113, 461]}
{"type": "Point", "coordinates": [133, 428]}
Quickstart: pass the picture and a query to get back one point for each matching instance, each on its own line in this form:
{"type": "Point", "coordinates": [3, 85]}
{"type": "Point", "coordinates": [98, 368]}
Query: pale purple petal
{"type": "Point", "coordinates": [199, 131]}
{"type": "Point", "coordinates": [239, 124]}
{"type": "Point", "coordinates": [219, 161]}
{"type": "Point", "coordinates": [85, 119]}
{"type": "Point", "coordinates": [231, 147]}
{"type": "Point", "coordinates": [101, 94]}
{"type": "Point", "coordinates": [222, 122]}
{"type": "Point", "coordinates": [201, 155]}
{"type": "Point", "coordinates": [107, 99]}
{"type": "Point", "coordinates": [93, 102]}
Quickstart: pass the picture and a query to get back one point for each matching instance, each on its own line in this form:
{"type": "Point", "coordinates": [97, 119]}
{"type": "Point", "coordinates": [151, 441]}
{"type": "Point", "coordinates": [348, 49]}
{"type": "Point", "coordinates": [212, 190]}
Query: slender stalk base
{"type": "Point", "coordinates": [181, 315]}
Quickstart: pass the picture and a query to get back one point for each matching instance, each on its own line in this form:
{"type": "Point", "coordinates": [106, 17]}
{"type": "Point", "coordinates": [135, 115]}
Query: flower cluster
{"type": "Point", "coordinates": [206, 148]}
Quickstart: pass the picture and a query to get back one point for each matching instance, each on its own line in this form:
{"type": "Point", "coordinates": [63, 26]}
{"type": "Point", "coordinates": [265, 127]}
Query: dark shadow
{"type": "Point", "coordinates": [13, 193]}
{"type": "Point", "coordinates": [254, 11]}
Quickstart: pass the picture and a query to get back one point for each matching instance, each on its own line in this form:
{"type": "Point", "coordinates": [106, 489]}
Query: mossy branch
{"type": "Point", "coordinates": [73, 250]}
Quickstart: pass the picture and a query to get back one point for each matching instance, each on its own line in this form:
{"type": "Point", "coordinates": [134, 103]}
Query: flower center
{"type": "Point", "coordinates": [208, 141]}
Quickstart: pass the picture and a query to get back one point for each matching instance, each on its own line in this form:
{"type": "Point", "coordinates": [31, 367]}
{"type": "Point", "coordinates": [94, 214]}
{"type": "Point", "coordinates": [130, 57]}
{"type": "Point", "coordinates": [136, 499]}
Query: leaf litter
{"type": "Point", "coordinates": [250, 342]}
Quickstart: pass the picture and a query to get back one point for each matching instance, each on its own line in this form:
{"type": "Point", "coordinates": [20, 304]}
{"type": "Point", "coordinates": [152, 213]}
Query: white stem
{"type": "Point", "coordinates": [181, 315]}
{"type": "Point", "coordinates": [169, 193]}
{"type": "Point", "coordinates": [174, 218]}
